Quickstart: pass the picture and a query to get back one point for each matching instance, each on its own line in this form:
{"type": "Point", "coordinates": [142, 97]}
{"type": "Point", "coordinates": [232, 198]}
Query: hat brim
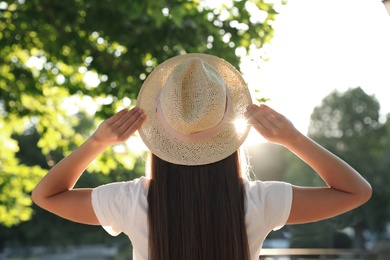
{"type": "Point", "coordinates": [207, 151]}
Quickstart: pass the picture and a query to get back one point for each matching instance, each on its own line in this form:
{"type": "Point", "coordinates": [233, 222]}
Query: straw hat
{"type": "Point", "coordinates": [193, 103]}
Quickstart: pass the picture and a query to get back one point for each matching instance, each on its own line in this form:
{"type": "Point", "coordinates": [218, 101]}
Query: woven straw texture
{"type": "Point", "coordinates": [193, 107]}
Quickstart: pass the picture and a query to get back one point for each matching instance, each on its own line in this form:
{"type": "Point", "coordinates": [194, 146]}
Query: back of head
{"type": "Point", "coordinates": [196, 202]}
{"type": "Point", "coordinates": [197, 212]}
{"type": "Point", "coordinates": [193, 104]}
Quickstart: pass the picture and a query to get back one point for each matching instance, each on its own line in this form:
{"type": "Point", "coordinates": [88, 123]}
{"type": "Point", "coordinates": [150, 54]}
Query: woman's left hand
{"type": "Point", "coordinates": [118, 128]}
{"type": "Point", "coordinates": [56, 193]}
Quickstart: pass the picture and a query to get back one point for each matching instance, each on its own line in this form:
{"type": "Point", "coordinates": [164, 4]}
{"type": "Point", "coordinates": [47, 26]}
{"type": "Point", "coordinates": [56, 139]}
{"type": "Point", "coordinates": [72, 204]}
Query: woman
{"type": "Point", "coordinates": [196, 203]}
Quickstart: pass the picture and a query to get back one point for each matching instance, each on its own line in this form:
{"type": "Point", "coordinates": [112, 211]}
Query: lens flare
{"type": "Point", "coordinates": [240, 125]}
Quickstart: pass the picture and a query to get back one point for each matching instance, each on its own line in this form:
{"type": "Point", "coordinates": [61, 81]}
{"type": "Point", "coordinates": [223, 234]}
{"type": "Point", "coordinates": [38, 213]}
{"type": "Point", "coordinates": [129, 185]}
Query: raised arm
{"type": "Point", "coordinates": [346, 188]}
{"type": "Point", "coordinates": [55, 191]}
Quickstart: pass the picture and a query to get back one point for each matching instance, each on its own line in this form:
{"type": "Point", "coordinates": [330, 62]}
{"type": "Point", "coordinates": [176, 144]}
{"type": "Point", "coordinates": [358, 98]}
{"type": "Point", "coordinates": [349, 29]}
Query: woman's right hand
{"type": "Point", "coordinates": [273, 126]}
{"type": "Point", "coordinates": [345, 189]}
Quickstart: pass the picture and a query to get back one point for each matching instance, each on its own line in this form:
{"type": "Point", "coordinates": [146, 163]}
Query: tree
{"type": "Point", "coordinates": [44, 228]}
{"type": "Point", "coordinates": [348, 125]}
{"type": "Point", "coordinates": [60, 58]}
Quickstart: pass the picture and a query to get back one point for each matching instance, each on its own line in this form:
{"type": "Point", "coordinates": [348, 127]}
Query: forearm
{"type": "Point", "coordinates": [334, 171]}
{"type": "Point", "coordinates": [55, 191]}
{"type": "Point", "coordinates": [64, 175]}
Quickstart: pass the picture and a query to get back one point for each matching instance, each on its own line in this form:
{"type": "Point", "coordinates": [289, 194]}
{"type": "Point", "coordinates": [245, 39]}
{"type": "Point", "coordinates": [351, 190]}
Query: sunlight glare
{"type": "Point", "coordinates": [136, 145]}
{"type": "Point", "coordinates": [91, 79]}
{"type": "Point", "coordinates": [240, 125]}
{"type": "Point", "coordinates": [253, 136]}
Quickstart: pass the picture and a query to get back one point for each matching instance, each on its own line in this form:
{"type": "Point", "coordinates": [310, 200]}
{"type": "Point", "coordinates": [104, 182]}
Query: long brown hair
{"type": "Point", "coordinates": [197, 212]}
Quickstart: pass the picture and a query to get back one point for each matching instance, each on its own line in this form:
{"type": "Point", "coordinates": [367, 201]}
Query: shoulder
{"type": "Point", "coordinates": [126, 188]}
{"type": "Point", "coordinates": [268, 196]}
{"type": "Point", "coordinates": [142, 183]}
{"type": "Point", "coordinates": [119, 205]}
{"type": "Point", "coordinates": [269, 201]}
{"type": "Point", "coordinates": [267, 188]}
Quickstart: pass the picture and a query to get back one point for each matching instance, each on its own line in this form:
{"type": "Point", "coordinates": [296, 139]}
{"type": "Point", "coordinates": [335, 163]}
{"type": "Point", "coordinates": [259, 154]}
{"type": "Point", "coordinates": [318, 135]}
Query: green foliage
{"type": "Point", "coordinates": [59, 232]}
{"type": "Point", "coordinates": [348, 125]}
{"type": "Point", "coordinates": [345, 116]}
{"type": "Point", "coordinates": [16, 181]}
{"type": "Point", "coordinates": [68, 65]}
{"type": "Point", "coordinates": [317, 232]}
{"type": "Point", "coordinates": [318, 235]}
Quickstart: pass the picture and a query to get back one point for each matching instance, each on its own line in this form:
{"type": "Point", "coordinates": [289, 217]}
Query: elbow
{"type": "Point", "coordinates": [365, 193]}
{"type": "Point", "coordinates": [37, 197]}
{"type": "Point", "coordinates": [369, 191]}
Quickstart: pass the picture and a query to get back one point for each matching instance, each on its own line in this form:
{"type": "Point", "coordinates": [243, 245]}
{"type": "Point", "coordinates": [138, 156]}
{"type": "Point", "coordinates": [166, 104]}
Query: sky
{"type": "Point", "coordinates": [320, 46]}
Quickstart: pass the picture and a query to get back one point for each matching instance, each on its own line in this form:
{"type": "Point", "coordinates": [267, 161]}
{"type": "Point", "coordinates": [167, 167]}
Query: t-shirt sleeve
{"type": "Point", "coordinates": [273, 200]}
{"type": "Point", "coordinates": [105, 207]}
{"type": "Point", "coordinates": [113, 204]}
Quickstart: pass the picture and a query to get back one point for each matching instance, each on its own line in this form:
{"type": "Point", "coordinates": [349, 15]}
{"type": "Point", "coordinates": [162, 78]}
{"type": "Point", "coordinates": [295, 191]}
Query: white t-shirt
{"type": "Point", "coordinates": [122, 207]}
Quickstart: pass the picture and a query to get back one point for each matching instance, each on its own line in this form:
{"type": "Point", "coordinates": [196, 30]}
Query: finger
{"type": "Point", "coordinates": [256, 119]}
{"type": "Point", "coordinates": [125, 121]}
{"type": "Point", "coordinates": [279, 121]}
{"type": "Point", "coordinates": [261, 116]}
{"type": "Point", "coordinates": [115, 117]}
{"type": "Point", "coordinates": [131, 124]}
{"type": "Point", "coordinates": [272, 116]}
{"type": "Point", "coordinates": [272, 112]}
{"type": "Point", "coordinates": [129, 119]}
{"type": "Point", "coordinates": [124, 117]}
{"type": "Point", "coordinates": [257, 125]}
{"type": "Point", "coordinates": [266, 121]}
{"type": "Point", "coordinates": [135, 126]}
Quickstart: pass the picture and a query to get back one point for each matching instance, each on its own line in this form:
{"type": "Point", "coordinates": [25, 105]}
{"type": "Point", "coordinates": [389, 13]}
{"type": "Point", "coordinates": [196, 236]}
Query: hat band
{"type": "Point", "coordinates": [197, 136]}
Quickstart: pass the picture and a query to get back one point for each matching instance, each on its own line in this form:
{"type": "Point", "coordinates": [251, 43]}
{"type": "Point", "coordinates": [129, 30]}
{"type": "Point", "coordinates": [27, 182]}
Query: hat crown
{"type": "Point", "coordinates": [194, 97]}
{"type": "Point", "coordinates": [189, 93]}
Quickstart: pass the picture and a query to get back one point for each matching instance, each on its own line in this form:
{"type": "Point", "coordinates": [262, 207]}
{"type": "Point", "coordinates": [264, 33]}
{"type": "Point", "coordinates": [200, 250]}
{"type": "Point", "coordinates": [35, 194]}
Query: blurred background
{"type": "Point", "coordinates": [67, 65]}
